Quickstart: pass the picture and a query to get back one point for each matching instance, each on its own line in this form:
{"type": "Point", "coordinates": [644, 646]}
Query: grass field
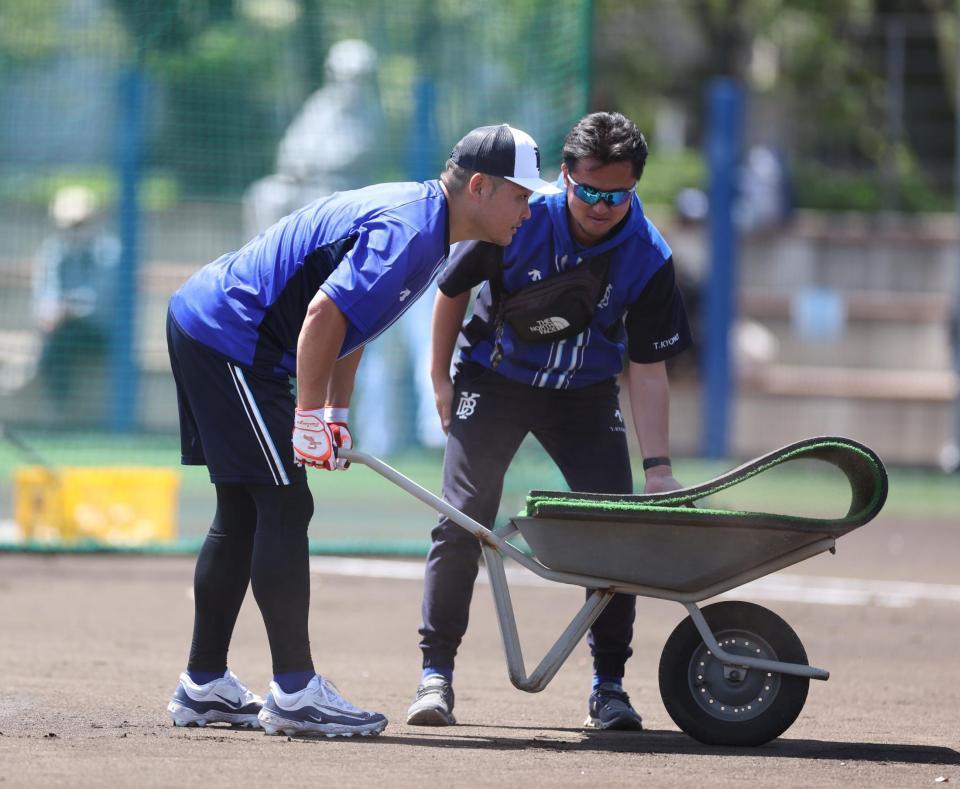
{"type": "Point", "coordinates": [359, 512]}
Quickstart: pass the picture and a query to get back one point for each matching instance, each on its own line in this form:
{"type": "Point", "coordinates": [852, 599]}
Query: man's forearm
{"type": "Point", "coordinates": [448, 315]}
{"type": "Point", "coordinates": [340, 388]}
{"type": "Point", "coordinates": [321, 338]}
{"type": "Point", "coordinates": [650, 405]}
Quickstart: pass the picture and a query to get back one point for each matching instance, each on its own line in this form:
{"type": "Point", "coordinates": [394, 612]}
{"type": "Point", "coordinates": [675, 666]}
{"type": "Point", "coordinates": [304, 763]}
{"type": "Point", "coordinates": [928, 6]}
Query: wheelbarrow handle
{"type": "Point", "coordinates": [428, 498]}
{"type": "Point", "coordinates": [494, 548]}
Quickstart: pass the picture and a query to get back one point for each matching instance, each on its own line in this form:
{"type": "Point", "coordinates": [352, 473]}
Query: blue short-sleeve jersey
{"type": "Point", "coordinates": [640, 313]}
{"type": "Point", "coordinates": [373, 251]}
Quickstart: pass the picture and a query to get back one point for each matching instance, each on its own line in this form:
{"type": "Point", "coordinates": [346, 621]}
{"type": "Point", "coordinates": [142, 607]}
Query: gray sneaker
{"type": "Point", "coordinates": [610, 708]}
{"type": "Point", "coordinates": [434, 703]}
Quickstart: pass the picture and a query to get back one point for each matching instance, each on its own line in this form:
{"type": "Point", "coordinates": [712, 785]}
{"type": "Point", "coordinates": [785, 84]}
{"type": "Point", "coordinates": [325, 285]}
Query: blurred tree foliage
{"type": "Point", "coordinates": [250, 64]}
{"type": "Point", "coordinates": [817, 71]}
{"type": "Point", "coordinates": [213, 63]}
{"type": "Point", "coordinates": [29, 31]}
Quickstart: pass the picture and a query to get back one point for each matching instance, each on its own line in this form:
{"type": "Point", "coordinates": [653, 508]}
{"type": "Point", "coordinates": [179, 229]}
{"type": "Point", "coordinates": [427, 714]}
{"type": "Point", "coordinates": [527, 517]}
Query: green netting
{"type": "Point", "coordinates": [185, 122]}
{"type": "Point", "coordinates": [185, 128]}
{"type": "Point", "coordinates": [139, 141]}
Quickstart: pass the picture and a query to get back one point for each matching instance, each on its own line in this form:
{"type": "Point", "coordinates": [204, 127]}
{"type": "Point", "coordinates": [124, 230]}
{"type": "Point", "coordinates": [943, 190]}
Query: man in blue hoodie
{"type": "Point", "coordinates": [554, 374]}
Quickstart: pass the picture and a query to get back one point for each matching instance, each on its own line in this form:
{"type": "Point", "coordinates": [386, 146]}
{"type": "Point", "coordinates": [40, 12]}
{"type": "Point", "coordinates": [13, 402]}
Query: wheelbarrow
{"type": "Point", "coordinates": [732, 673]}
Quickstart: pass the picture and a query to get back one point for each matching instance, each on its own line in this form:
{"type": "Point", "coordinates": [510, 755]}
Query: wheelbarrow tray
{"type": "Point", "coordinates": [678, 555]}
{"type": "Point", "coordinates": [664, 541]}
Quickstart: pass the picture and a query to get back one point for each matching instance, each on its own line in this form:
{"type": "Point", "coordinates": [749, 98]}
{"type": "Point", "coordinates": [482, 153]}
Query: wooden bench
{"type": "Point", "coordinates": [935, 386]}
{"type": "Point", "coordinates": [861, 305]}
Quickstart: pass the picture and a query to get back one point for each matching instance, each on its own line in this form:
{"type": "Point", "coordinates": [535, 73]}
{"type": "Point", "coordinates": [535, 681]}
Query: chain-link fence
{"type": "Point", "coordinates": [140, 141]}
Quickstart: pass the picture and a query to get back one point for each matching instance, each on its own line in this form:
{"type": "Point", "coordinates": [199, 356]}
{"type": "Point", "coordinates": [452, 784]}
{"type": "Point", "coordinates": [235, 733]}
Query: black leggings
{"type": "Point", "coordinates": [258, 536]}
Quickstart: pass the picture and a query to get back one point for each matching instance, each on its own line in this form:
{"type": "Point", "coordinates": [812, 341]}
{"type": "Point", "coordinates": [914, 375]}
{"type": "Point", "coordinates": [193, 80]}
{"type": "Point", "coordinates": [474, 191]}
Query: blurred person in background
{"type": "Point", "coordinates": [335, 143]}
{"type": "Point", "coordinates": [764, 199]}
{"type": "Point", "coordinates": [299, 302]}
{"type": "Point", "coordinates": [73, 293]}
{"type": "Point", "coordinates": [560, 385]}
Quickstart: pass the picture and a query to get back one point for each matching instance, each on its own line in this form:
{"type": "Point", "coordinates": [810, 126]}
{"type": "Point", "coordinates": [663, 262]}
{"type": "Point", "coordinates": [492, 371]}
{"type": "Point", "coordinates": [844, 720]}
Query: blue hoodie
{"type": "Point", "coordinates": [640, 313]}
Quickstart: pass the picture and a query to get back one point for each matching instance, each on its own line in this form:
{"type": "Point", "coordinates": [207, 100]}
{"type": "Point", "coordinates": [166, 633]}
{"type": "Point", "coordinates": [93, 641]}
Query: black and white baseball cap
{"type": "Point", "coordinates": [503, 151]}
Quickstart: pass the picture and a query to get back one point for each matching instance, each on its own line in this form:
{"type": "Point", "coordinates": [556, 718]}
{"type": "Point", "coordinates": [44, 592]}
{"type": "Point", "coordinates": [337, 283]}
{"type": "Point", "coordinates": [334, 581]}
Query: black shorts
{"type": "Point", "coordinates": [236, 422]}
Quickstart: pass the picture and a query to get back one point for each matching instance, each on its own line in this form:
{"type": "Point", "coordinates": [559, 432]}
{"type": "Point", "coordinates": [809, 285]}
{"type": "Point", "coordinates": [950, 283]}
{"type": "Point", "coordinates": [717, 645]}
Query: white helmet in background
{"type": "Point", "coordinates": [72, 206]}
{"type": "Point", "coordinates": [350, 59]}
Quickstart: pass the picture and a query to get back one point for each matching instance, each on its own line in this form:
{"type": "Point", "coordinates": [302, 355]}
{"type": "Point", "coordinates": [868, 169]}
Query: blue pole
{"type": "Point", "coordinates": [422, 151]}
{"type": "Point", "coordinates": [725, 105]}
{"type": "Point", "coordinates": [123, 363]}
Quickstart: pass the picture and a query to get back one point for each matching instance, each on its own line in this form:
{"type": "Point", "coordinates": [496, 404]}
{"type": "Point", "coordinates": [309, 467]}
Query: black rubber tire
{"type": "Point", "coordinates": [694, 713]}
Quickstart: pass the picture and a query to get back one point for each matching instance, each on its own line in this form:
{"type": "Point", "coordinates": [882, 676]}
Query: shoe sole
{"type": "Point", "coordinates": [276, 724]}
{"type": "Point", "coordinates": [430, 716]}
{"type": "Point", "coordinates": [623, 723]}
{"type": "Point", "coordinates": [186, 717]}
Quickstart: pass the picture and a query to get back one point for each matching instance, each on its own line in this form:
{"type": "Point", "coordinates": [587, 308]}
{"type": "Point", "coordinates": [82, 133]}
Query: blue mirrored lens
{"type": "Point", "coordinates": [594, 196]}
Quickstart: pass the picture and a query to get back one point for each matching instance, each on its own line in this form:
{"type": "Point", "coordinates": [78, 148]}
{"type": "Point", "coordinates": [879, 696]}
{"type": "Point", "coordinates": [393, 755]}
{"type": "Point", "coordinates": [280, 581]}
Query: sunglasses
{"type": "Point", "coordinates": [592, 196]}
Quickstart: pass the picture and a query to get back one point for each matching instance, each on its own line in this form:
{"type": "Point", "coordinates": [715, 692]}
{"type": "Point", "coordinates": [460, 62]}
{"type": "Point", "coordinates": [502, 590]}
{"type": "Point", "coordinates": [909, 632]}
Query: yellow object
{"type": "Point", "coordinates": [116, 506]}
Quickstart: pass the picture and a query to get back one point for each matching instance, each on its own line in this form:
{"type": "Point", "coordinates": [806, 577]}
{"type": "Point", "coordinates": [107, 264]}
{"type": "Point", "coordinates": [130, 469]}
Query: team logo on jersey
{"type": "Point", "coordinates": [606, 297]}
{"type": "Point", "coordinates": [618, 415]}
{"type": "Point", "coordinates": [535, 275]}
{"type": "Point", "coordinates": [404, 293]}
{"type": "Point", "coordinates": [467, 405]}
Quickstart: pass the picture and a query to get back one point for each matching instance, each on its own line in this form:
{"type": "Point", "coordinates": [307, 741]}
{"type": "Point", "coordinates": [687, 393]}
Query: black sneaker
{"type": "Point", "coordinates": [610, 709]}
{"type": "Point", "coordinates": [434, 703]}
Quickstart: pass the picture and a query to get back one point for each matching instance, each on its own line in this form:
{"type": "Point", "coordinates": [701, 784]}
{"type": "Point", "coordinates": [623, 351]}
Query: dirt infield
{"type": "Point", "coordinates": [91, 648]}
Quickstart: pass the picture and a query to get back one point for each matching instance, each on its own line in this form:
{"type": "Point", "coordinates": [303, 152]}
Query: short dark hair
{"type": "Point", "coordinates": [456, 178]}
{"type": "Point", "coordinates": [607, 137]}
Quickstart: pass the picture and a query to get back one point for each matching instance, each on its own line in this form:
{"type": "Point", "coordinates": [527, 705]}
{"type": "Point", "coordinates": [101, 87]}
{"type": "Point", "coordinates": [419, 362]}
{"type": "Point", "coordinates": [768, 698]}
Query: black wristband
{"type": "Point", "coordinates": [649, 463]}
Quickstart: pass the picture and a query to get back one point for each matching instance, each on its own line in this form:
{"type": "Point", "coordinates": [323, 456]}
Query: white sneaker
{"type": "Point", "coordinates": [318, 708]}
{"type": "Point", "coordinates": [223, 700]}
{"type": "Point", "coordinates": [433, 705]}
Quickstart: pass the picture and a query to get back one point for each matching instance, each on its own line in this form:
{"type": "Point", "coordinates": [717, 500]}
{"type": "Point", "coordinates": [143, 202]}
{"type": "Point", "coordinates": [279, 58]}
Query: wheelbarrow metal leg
{"type": "Point", "coordinates": [558, 653]}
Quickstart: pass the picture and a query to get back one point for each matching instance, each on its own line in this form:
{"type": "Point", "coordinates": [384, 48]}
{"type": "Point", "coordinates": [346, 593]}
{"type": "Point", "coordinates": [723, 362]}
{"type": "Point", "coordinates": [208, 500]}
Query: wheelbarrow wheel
{"type": "Point", "coordinates": [724, 704]}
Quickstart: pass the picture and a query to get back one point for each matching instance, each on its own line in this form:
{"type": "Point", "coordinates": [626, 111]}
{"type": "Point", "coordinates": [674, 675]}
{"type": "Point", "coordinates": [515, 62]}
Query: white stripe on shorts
{"type": "Point", "coordinates": [263, 435]}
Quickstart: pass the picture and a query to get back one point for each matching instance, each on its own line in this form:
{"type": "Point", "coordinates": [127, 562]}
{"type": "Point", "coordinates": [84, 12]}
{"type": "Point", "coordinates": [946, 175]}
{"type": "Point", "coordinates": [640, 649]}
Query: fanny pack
{"type": "Point", "coordinates": [556, 308]}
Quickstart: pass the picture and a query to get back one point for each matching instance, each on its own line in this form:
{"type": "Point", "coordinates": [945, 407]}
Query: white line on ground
{"type": "Point", "coordinates": [785, 587]}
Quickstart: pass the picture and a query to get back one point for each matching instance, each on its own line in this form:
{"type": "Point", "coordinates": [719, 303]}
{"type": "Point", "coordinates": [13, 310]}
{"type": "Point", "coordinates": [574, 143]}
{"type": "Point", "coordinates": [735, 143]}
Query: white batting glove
{"type": "Point", "coordinates": [313, 443]}
{"type": "Point", "coordinates": [336, 418]}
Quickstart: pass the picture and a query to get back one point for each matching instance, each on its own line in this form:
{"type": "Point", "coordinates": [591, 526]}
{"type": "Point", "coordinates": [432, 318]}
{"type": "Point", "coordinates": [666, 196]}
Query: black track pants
{"type": "Point", "coordinates": [582, 431]}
